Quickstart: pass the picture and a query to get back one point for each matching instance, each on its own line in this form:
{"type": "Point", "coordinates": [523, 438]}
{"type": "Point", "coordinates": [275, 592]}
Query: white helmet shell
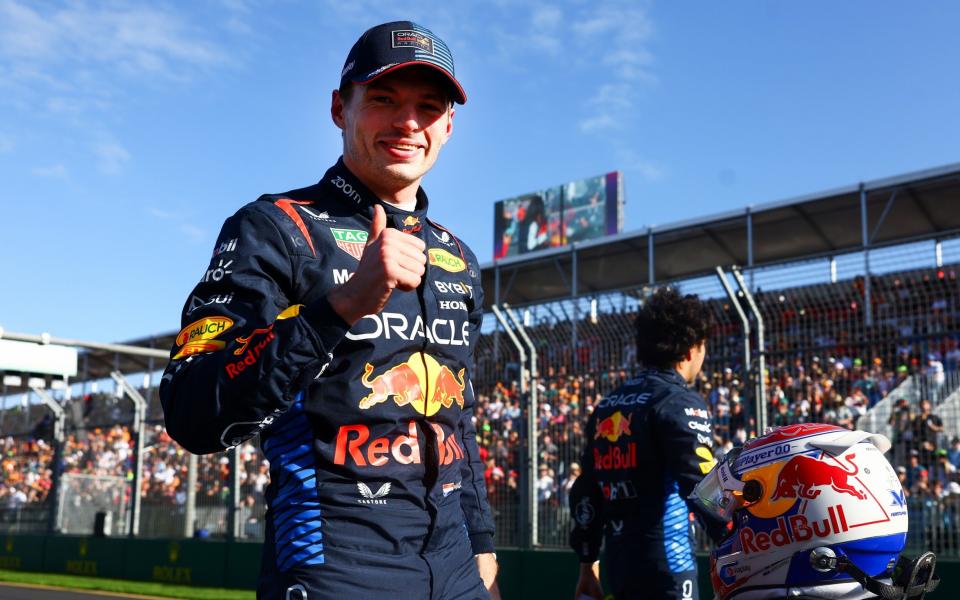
{"type": "Point", "coordinates": [822, 486]}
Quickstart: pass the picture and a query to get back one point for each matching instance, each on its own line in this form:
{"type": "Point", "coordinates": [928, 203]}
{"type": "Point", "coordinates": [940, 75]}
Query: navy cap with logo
{"type": "Point", "coordinates": [391, 46]}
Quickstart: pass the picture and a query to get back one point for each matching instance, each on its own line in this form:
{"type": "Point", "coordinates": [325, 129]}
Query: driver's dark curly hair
{"type": "Point", "coordinates": [668, 325]}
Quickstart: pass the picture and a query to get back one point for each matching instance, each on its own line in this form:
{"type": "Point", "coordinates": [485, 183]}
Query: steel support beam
{"type": "Point", "coordinates": [530, 489]}
{"type": "Point", "coordinates": [651, 272]}
{"type": "Point", "coordinates": [46, 338]}
{"type": "Point", "coordinates": [732, 295]}
{"type": "Point", "coordinates": [761, 352]}
{"type": "Point", "coordinates": [139, 421]}
{"type": "Point", "coordinates": [496, 301]}
{"type": "Point", "coordinates": [56, 489]}
{"type": "Point", "coordinates": [190, 518]}
{"type": "Point", "coordinates": [532, 446]}
{"type": "Point", "coordinates": [864, 226]}
{"type": "Point", "coordinates": [573, 294]}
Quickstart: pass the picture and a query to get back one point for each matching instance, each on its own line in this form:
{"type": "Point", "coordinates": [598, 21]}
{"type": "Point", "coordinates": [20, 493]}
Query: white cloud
{"type": "Point", "coordinates": [153, 211]}
{"type": "Point", "coordinates": [57, 171]}
{"type": "Point", "coordinates": [179, 222]}
{"type": "Point", "coordinates": [598, 123]}
{"type": "Point", "coordinates": [620, 33]}
{"type": "Point", "coordinates": [646, 169]}
{"type": "Point", "coordinates": [137, 39]}
{"type": "Point", "coordinates": [193, 232]}
{"type": "Point", "coordinates": [111, 157]}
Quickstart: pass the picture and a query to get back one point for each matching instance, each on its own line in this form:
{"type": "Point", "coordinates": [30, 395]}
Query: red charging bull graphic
{"type": "Point", "coordinates": [613, 427]}
{"type": "Point", "coordinates": [409, 383]}
{"type": "Point", "coordinates": [801, 474]}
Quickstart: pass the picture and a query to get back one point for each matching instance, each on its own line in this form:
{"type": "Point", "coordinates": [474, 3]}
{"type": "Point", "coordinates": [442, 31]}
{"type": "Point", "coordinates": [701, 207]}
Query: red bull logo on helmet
{"type": "Point", "coordinates": [803, 476]}
{"type": "Point", "coordinates": [421, 382]}
{"type": "Point", "coordinates": [795, 528]}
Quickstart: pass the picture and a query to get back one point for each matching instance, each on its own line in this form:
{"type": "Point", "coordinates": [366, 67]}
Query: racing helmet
{"type": "Point", "coordinates": [816, 511]}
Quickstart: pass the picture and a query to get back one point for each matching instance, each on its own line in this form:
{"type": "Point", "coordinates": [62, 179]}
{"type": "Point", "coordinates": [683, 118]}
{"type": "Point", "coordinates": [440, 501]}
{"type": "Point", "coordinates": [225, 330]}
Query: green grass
{"type": "Point", "coordinates": [126, 587]}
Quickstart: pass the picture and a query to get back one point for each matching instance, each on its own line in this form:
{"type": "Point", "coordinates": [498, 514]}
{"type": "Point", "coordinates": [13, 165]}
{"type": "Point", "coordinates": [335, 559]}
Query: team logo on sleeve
{"type": "Point", "coordinates": [446, 261]}
{"type": "Point", "coordinates": [196, 338]}
{"type": "Point", "coordinates": [351, 241]}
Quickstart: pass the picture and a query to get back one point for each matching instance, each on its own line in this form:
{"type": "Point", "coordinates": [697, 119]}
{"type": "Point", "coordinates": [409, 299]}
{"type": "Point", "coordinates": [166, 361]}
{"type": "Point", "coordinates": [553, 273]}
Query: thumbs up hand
{"type": "Point", "coordinates": [391, 260]}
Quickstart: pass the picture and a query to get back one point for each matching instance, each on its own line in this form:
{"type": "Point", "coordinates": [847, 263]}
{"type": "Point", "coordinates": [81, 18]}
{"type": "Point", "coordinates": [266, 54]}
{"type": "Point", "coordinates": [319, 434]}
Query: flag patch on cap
{"type": "Point", "coordinates": [407, 38]}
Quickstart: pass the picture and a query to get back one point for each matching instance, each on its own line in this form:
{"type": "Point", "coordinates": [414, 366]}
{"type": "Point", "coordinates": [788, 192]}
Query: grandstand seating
{"type": "Point", "coordinates": [823, 365]}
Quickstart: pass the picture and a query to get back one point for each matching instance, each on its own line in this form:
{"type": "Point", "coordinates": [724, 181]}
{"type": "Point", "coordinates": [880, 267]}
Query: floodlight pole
{"type": "Point", "coordinates": [139, 423]}
{"type": "Point", "coordinates": [532, 445]}
{"type": "Point", "coordinates": [743, 318]}
{"type": "Point", "coordinates": [59, 419]}
{"type": "Point", "coordinates": [761, 353]}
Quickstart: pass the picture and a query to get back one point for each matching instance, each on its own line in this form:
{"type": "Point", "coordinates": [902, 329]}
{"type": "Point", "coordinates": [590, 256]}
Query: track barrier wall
{"type": "Point", "coordinates": [528, 574]}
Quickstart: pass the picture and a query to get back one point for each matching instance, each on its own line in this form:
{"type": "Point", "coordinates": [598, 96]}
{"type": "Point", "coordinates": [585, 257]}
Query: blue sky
{"type": "Point", "coordinates": [130, 130]}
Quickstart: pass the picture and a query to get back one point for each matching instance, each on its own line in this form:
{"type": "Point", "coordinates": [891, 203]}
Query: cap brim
{"type": "Point", "coordinates": [459, 96]}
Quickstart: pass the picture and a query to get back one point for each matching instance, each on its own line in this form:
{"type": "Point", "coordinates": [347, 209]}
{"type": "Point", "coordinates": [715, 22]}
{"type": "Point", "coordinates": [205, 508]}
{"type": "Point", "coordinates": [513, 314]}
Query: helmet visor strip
{"type": "Point", "coordinates": [720, 493]}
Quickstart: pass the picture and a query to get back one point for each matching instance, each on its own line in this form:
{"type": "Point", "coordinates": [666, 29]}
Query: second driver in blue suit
{"type": "Point", "coordinates": [648, 444]}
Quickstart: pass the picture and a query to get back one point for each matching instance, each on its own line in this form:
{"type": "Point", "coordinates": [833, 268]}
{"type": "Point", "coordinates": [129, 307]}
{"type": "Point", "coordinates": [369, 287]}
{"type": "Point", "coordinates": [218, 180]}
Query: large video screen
{"type": "Point", "coordinates": [576, 211]}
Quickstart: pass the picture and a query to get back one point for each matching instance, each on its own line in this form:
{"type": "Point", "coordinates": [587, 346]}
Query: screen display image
{"type": "Point", "coordinates": [580, 210]}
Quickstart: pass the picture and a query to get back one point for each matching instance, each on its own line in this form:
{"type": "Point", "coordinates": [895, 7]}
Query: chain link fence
{"type": "Point", "coordinates": [893, 368]}
{"type": "Point", "coordinates": [828, 360]}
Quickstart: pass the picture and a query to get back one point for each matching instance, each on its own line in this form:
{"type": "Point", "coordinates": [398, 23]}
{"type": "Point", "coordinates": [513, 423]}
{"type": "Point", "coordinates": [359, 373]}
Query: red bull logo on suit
{"type": "Point", "coordinates": [421, 382]}
{"type": "Point", "coordinates": [613, 427]}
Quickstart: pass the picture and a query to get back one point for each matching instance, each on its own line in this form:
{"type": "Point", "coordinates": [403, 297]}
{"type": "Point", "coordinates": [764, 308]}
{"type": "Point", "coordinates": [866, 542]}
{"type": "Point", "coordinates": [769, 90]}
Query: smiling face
{"type": "Point", "coordinates": [393, 129]}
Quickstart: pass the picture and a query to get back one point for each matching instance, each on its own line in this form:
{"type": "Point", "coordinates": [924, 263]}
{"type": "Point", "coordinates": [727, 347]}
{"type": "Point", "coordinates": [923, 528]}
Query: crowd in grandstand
{"type": "Point", "coordinates": [819, 368]}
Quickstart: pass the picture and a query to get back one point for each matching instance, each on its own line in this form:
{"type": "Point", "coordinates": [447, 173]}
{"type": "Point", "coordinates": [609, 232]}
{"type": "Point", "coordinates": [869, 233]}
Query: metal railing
{"type": "Point", "coordinates": [822, 363]}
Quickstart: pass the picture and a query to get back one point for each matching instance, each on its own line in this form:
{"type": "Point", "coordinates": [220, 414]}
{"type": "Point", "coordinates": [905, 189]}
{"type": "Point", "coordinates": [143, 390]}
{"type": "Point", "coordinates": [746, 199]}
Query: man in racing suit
{"type": "Point", "coordinates": [648, 445]}
{"type": "Point", "coordinates": [338, 322]}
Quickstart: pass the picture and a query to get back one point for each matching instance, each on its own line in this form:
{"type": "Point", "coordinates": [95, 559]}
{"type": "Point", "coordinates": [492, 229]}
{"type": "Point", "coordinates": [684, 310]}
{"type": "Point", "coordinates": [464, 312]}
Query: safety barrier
{"type": "Point", "coordinates": [214, 563]}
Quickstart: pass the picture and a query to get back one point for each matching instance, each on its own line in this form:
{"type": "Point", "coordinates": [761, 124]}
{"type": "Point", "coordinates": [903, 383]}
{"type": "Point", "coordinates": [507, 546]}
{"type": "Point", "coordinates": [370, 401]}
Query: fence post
{"type": "Point", "coordinates": [59, 419]}
{"type": "Point", "coordinates": [528, 517]}
{"type": "Point", "coordinates": [233, 512]}
{"type": "Point", "coordinates": [190, 516]}
{"type": "Point", "coordinates": [139, 423]}
{"type": "Point", "coordinates": [532, 446]}
{"type": "Point", "coordinates": [867, 300]}
{"type": "Point", "coordinates": [761, 352]}
{"type": "Point", "coordinates": [746, 330]}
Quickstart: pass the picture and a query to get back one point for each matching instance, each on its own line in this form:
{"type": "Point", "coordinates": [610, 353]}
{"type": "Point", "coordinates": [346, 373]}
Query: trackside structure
{"type": "Point", "coordinates": [855, 290]}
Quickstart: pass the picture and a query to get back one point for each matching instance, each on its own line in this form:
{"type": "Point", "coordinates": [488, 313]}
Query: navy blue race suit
{"type": "Point", "coordinates": [648, 445]}
{"type": "Point", "coordinates": [376, 481]}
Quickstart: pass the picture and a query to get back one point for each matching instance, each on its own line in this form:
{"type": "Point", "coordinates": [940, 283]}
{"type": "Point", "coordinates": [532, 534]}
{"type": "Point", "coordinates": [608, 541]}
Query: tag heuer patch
{"type": "Point", "coordinates": [351, 241]}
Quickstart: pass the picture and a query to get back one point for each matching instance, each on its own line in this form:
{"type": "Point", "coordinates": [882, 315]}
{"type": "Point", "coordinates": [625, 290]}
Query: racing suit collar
{"type": "Point", "coordinates": [339, 181]}
{"type": "Point", "coordinates": [670, 375]}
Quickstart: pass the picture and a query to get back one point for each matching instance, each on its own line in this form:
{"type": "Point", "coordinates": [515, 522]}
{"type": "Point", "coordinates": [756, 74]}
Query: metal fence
{"type": "Point", "coordinates": [827, 359]}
